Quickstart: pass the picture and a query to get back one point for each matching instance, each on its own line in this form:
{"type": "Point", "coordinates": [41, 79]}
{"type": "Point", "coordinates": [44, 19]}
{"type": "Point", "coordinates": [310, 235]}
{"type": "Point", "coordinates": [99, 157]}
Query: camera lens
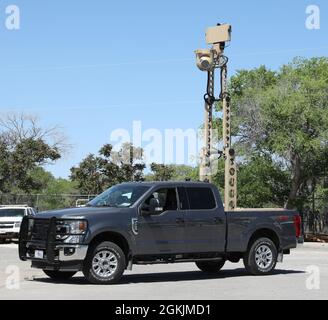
{"type": "Point", "coordinates": [205, 64]}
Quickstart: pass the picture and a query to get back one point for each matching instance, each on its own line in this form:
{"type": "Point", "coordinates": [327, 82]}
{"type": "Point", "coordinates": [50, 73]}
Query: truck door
{"type": "Point", "coordinates": [205, 224]}
{"type": "Point", "coordinates": [161, 232]}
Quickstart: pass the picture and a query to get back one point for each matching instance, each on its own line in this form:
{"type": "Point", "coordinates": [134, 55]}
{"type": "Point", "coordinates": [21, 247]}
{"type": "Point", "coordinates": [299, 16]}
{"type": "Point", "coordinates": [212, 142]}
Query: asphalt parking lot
{"type": "Point", "coordinates": [303, 275]}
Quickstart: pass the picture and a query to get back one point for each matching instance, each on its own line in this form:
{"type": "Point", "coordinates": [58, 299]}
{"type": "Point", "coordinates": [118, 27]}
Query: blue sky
{"type": "Point", "coordinates": [95, 66]}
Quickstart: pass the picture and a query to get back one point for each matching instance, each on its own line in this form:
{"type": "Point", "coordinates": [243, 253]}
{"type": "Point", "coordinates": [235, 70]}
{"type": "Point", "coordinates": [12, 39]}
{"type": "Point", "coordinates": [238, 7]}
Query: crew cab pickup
{"type": "Point", "coordinates": [153, 223]}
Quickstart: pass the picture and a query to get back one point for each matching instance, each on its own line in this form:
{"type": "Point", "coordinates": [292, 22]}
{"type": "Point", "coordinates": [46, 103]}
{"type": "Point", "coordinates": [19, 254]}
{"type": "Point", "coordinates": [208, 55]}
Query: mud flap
{"type": "Point", "coordinates": [280, 258]}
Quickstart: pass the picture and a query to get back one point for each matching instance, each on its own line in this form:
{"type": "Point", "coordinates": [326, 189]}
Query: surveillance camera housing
{"type": "Point", "coordinates": [205, 59]}
{"type": "Point", "coordinates": [219, 34]}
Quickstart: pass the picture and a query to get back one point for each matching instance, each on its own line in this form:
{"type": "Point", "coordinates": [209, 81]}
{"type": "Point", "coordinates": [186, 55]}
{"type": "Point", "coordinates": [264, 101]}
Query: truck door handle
{"type": "Point", "coordinates": [180, 221]}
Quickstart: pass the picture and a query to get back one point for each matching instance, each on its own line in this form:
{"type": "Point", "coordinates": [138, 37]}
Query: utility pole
{"type": "Point", "coordinates": [209, 60]}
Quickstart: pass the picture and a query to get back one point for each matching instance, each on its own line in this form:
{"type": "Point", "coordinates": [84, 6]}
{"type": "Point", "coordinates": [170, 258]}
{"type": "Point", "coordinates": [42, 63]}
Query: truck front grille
{"type": "Point", "coordinates": [6, 225]}
{"type": "Point", "coordinates": [40, 230]}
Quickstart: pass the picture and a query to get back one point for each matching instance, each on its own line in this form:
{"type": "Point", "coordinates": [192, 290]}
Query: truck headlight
{"type": "Point", "coordinates": [71, 231]}
{"type": "Point", "coordinates": [78, 227]}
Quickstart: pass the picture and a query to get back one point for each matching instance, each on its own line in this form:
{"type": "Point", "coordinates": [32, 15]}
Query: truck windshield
{"type": "Point", "coordinates": [119, 197]}
{"type": "Point", "coordinates": [12, 213]}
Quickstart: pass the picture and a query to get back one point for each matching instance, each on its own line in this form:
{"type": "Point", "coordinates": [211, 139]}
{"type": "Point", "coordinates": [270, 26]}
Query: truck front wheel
{"type": "Point", "coordinates": [105, 264]}
{"type": "Point", "coordinates": [261, 258]}
{"type": "Point", "coordinates": [210, 266]}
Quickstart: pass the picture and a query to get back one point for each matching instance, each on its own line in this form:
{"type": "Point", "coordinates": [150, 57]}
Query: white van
{"type": "Point", "coordinates": [11, 219]}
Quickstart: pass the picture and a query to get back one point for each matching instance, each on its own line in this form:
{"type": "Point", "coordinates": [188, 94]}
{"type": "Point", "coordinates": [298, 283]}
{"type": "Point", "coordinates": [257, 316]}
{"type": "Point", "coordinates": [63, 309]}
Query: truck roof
{"type": "Point", "coordinates": [23, 206]}
{"type": "Point", "coordinates": [172, 183]}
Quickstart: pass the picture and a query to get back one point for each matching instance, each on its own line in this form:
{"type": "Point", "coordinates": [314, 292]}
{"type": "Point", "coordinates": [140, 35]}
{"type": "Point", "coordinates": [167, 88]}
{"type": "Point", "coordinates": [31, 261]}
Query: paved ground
{"type": "Point", "coordinates": [181, 281]}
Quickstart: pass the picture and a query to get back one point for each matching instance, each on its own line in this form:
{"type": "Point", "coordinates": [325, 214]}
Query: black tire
{"type": "Point", "coordinates": [113, 275]}
{"type": "Point", "coordinates": [59, 275]}
{"type": "Point", "coordinates": [265, 265]}
{"type": "Point", "coordinates": [210, 266]}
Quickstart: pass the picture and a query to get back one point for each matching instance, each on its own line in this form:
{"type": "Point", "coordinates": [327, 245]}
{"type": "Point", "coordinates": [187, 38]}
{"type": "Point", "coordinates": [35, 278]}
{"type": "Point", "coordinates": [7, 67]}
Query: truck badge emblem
{"type": "Point", "coordinates": [135, 226]}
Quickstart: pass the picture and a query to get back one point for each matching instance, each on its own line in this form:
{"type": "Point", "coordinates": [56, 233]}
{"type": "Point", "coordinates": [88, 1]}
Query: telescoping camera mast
{"type": "Point", "coordinates": [209, 60]}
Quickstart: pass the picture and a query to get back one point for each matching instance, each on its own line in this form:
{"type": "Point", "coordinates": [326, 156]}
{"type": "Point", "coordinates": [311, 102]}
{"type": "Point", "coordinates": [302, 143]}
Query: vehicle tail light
{"type": "Point", "coordinates": [298, 225]}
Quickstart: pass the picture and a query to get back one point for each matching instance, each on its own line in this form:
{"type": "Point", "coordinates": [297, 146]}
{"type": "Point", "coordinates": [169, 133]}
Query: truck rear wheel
{"type": "Point", "coordinates": [105, 264]}
{"type": "Point", "coordinates": [210, 266]}
{"type": "Point", "coordinates": [261, 258]}
{"type": "Point", "coordinates": [58, 275]}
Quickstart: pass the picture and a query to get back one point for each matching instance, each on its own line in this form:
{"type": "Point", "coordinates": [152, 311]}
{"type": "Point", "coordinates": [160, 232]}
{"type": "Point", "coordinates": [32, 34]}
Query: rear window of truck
{"type": "Point", "coordinates": [201, 198]}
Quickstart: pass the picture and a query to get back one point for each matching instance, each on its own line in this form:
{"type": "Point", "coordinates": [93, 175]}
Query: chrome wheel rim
{"type": "Point", "coordinates": [264, 257]}
{"type": "Point", "coordinates": [104, 264]}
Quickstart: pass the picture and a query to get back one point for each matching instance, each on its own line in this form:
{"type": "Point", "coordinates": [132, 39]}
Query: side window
{"type": "Point", "coordinates": [184, 205]}
{"type": "Point", "coordinates": [201, 198]}
{"type": "Point", "coordinates": [166, 201]}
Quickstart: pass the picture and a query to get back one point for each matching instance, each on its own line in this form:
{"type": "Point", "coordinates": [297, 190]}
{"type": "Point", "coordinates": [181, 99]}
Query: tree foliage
{"type": "Point", "coordinates": [283, 116]}
{"type": "Point", "coordinates": [96, 173]}
{"type": "Point", "coordinates": [161, 172]}
{"type": "Point", "coordinates": [24, 147]}
{"type": "Point", "coordinates": [262, 183]}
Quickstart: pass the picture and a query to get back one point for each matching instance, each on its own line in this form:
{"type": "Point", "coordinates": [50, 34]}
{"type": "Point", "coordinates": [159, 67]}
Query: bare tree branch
{"type": "Point", "coordinates": [16, 127]}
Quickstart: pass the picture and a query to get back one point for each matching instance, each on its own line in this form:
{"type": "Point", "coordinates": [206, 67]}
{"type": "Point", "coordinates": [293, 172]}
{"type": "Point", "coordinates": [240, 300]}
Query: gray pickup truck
{"type": "Point", "coordinates": [152, 223]}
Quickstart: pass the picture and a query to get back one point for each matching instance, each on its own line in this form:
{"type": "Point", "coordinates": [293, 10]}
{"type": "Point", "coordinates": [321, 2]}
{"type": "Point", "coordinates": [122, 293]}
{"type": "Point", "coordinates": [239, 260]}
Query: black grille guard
{"type": "Point", "coordinates": [24, 238]}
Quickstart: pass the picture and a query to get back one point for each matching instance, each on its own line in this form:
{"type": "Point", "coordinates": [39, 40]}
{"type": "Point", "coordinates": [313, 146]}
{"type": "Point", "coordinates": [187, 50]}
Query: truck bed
{"type": "Point", "coordinates": [242, 223]}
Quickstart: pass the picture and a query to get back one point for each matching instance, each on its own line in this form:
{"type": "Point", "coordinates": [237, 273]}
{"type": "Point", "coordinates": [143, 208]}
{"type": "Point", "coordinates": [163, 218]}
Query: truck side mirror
{"type": "Point", "coordinates": [153, 208]}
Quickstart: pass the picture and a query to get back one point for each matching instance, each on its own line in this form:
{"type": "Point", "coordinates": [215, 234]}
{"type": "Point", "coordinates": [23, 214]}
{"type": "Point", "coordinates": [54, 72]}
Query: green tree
{"type": "Point", "coordinates": [96, 173]}
{"type": "Point", "coordinates": [61, 186]}
{"type": "Point", "coordinates": [24, 147]}
{"type": "Point", "coordinates": [4, 167]}
{"type": "Point", "coordinates": [27, 156]}
{"type": "Point", "coordinates": [283, 116]}
{"type": "Point", "coordinates": [20, 162]}
{"type": "Point", "coordinates": [184, 172]}
{"type": "Point", "coordinates": [55, 193]}
{"type": "Point", "coordinates": [89, 175]}
{"type": "Point", "coordinates": [262, 183]}
{"type": "Point", "coordinates": [160, 172]}
{"type": "Point", "coordinates": [43, 179]}
{"type": "Point", "coordinates": [59, 193]}
{"type": "Point", "coordinates": [173, 172]}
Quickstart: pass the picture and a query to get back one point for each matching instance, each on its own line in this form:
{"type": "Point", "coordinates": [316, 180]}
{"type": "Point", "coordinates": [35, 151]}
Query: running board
{"type": "Point", "coordinates": [177, 261]}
